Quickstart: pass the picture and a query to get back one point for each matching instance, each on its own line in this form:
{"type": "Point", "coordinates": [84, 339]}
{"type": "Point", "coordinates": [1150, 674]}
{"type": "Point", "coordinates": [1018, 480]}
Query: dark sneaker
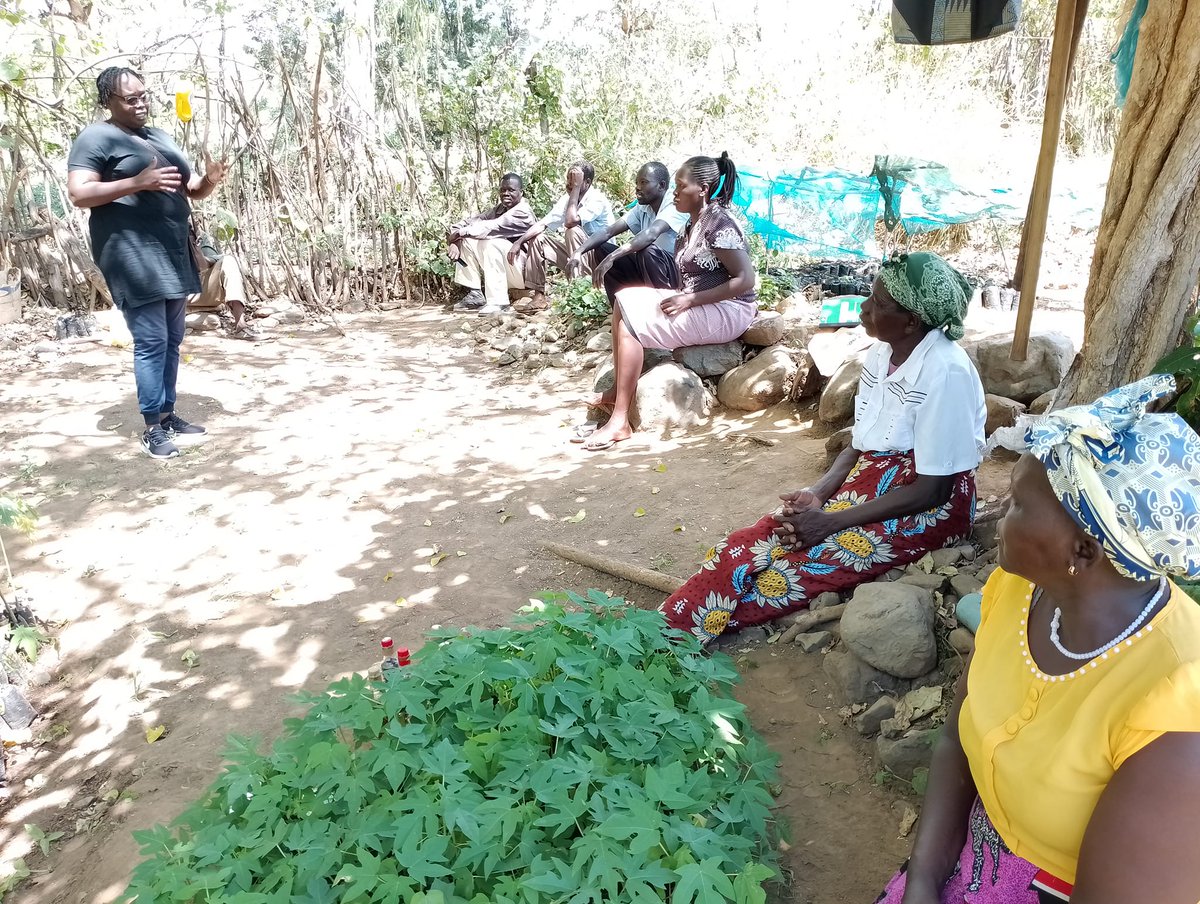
{"type": "Point", "coordinates": [472, 301]}
{"type": "Point", "coordinates": [177, 428]}
{"type": "Point", "coordinates": [157, 444]}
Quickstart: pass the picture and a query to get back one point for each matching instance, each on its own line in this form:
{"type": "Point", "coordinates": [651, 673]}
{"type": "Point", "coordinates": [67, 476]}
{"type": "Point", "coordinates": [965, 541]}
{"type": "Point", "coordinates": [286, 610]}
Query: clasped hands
{"type": "Point", "coordinates": [801, 521]}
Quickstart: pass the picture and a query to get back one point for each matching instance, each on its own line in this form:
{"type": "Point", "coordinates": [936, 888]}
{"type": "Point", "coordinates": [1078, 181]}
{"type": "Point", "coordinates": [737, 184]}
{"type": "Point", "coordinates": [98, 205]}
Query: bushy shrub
{"type": "Point", "coordinates": [586, 758]}
{"type": "Point", "coordinates": [581, 303]}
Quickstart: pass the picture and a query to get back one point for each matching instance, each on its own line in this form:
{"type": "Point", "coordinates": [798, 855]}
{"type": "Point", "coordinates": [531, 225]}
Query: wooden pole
{"type": "Point", "coordinates": [635, 573]}
{"type": "Point", "coordinates": [1039, 201]}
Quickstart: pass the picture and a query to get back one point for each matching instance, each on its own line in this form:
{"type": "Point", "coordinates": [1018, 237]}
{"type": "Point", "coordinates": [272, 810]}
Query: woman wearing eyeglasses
{"type": "Point", "coordinates": [137, 184]}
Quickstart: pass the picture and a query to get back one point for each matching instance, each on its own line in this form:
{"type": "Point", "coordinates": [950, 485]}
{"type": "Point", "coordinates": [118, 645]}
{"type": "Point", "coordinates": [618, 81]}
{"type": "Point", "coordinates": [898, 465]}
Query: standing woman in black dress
{"type": "Point", "coordinates": [138, 186]}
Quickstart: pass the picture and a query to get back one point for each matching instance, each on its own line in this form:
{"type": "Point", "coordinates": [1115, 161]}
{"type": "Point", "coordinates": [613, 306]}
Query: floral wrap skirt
{"type": "Point", "coordinates": [749, 577]}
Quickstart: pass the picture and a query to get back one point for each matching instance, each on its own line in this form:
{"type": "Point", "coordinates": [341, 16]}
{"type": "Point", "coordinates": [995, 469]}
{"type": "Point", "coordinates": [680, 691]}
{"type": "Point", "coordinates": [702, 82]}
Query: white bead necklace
{"type": "Point", "coordinates": [1057, 620]}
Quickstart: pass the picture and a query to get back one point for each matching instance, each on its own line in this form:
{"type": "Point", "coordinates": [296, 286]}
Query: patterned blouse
{"type": "Point", "coordinates": [699, 267]}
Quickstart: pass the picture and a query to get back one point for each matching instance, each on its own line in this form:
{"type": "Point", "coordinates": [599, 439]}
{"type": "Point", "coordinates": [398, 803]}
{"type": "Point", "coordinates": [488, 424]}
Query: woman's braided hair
{"type": "Point", "coordinates": [107, 81]}
{"type": "Point", "coordinates": [709, 171]}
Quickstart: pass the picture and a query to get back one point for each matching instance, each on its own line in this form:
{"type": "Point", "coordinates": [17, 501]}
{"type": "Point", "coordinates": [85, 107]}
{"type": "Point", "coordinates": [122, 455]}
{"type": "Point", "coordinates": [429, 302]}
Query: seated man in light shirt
{"type": "Point", "coordinates": [649, 259]}
{"type": "Point", "coordinates": [480, 244]}
{"type": "Point", "coordinates": [581, 213]}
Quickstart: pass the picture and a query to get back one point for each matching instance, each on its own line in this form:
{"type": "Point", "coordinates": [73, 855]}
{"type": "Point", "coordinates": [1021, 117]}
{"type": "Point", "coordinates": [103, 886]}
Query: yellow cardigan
{"type": "Point", "coordinates": [1043, 748]}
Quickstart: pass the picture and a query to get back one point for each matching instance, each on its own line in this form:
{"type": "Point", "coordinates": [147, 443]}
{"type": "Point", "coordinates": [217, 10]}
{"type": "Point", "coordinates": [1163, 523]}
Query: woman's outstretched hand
{"type": "Point", "coordinates": [800, 500]}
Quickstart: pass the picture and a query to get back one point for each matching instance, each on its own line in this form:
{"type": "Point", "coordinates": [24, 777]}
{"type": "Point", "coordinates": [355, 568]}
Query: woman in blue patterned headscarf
{"type": "Point", "coordinates": [1070, 763]}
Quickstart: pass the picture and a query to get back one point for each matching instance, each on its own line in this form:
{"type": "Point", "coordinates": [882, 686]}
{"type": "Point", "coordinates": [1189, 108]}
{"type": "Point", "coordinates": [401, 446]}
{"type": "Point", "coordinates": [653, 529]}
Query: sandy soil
{"type": "Point", "coordinates": [280, 550]}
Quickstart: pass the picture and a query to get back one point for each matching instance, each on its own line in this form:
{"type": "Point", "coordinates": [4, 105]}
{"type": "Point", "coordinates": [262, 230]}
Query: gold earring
{"type": "Point", "coordinates": [1071, 571]}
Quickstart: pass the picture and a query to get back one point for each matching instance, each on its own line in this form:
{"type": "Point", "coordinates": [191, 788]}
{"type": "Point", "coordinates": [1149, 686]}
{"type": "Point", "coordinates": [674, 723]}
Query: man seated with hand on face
{"type": "Point", "coordinates": [649, 259]}
{"type": "Point", "coordinates": [581, 213]}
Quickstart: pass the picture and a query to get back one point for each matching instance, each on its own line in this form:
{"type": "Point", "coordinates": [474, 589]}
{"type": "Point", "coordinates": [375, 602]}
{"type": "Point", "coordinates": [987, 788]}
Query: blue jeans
{"type": "Point", "coordinates": [157, 330]}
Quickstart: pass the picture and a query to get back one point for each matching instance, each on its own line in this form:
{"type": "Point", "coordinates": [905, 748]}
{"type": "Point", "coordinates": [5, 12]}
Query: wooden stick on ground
{"type": "Point", "coordinates": [806, 621]}
{"type": "Point", "coordinates": [635, 573]}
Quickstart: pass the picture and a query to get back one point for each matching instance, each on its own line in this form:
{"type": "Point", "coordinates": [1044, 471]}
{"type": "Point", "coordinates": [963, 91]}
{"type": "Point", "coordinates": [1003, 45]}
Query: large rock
{"type": "Point", "coordinates": [1045, 365]}
{"type": "Point", "coordinates": [606, 374]}
{"type": "Point", "coordinates": [711, 360]}
{"type": "Point", "coordinates": [855, 681]}
{"type": "Point", "coordinates": [599, 341]}
{"type": "Point", "coordinates": [905, 755]}
{"type": "Point", "coordinates": [767, 329]}
{"type": "Point", "coordinates": [837, 399]}
{"type": "Point", "coordinates": [668, 396]}
{"type": "Point", "coordinates": [837, 442]}
{"type": "Point", "coordinates": [761, 382]}
{"type": "Point", "coordinates": [868, 721]}
{"type": "Point", "coordinates": [1001, 412]}
{"type": "Point", "coordinates": [202, 322]}
{"type": "Point", "coordinates": [890, 627]}
{"type": "Point", "coordinates": [1042, 403]}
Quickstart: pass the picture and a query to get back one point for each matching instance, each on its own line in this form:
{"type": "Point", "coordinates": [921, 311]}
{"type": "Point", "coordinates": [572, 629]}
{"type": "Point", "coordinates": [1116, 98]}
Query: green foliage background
{"type": "Point", "coordinates": [583, 758]}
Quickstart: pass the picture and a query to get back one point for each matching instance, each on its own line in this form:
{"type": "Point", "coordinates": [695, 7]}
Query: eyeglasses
{"type": "Point", "coordinates": [134, 99]}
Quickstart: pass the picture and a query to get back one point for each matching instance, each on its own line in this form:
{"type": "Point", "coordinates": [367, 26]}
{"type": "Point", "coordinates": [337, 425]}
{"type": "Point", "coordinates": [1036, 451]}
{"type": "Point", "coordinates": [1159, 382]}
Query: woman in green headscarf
{"type": "Point", "coordinates": [905, 485]}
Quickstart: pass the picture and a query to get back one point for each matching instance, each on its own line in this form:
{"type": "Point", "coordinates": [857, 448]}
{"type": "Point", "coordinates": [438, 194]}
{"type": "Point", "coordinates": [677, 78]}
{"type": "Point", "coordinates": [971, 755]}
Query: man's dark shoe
{"type": "Point", "coordinates": [472, 301]}
{"type": "Point", "coordinates": [157, 444]}
{"type": "Point", "coordinates": [177, 428]}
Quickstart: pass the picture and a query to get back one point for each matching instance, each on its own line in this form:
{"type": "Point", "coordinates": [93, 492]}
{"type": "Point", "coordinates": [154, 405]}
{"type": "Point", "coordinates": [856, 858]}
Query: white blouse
{"type": "Point", "coordinates": [932, 404]}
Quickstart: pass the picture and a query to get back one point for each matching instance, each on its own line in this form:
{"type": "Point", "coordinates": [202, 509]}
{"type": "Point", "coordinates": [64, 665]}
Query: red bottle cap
{"type": "Point", "coordinates": [386, 643]}
{"type": "Point", "coordinates": [402, 656]}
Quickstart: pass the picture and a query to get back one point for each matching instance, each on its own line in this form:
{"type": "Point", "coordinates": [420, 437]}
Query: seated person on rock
{"type": "Point", "coordinates": [716, 304]}
{"type": "Point", "coordinates": [222, 287]}
{"type": "Point", "coordinates": [649, 259]}
{"type": "Point", "coordinates": [904, 486]}
{"type": "Point", "coordinates": [1069, 764]}
{"type": "Point", "coordinates": [479, 247]}
{"type": "Point", "coordinates": [581, 213]}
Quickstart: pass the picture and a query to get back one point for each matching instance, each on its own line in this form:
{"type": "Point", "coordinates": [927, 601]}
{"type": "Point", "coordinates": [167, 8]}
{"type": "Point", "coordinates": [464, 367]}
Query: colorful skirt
{"type": "Point", "coordinates": [749, 577]}
{"type": "Point", "coordinates": [988, 873]}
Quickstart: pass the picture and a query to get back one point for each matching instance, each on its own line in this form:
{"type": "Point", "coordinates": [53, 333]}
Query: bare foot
{"type": "Point", "coordinates": [607, 436]}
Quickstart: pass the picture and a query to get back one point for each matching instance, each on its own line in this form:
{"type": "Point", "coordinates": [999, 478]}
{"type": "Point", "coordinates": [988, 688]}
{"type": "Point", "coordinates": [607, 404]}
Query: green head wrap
{"type": "Point", "coordinates": [929, 287]}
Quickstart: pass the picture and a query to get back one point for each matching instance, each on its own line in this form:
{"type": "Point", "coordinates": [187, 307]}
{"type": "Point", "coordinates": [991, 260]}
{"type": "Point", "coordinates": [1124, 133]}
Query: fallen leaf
{"type": "Point", "coordinates": [400, 601]}
{"type": "Point", "coordinates": [188, 359]}
{"type": "Point", "coordinates": [437, 558]}
{"type": "Point", "coordinates": [277, 593]}
{"type": "Point", "coordinates": [679, 528]}
{"type": "Point", "coordinates": [660, 468]}
{"type": "Point", "coordinates": [577, 517]}
{"type": "Point", "coordinates": [153, 734]}
{"type": "Point", "coordinates": [190, 657]}
{"type": "Point", "coordinates": [653, 491]}
{"type": "Point", "coordinates": [459, 553]}
{"type": "Point", "coordinates": [639, 512]}
{"type": "Point", "coordinates": [907, 821]}
{"type": "Point", "coordinates": [387, 577]}
{"type": "Point", "coordinates": [428, 523]}
{"type": "Point", "coordinates": [505, 517]}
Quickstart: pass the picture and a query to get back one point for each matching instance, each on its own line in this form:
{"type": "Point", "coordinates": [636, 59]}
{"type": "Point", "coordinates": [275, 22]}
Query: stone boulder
{"type": "Point", "coordinates": [837, 399]}
{"type": "Point", "coordinates": [1042, 403]}
{"type": "Point", "coordinates": [890, 627]}
{"type": "Point", "coordinates": [202, 322]}
{"type": "Point", "coordinates": [599, 341]}
{"type": "Point", "coordinates": [868, 721]}
{"type": "Point", "coordinates": [903, 756]}
{"type": "Point", "coordinates": [1001, 412]}
{"type": "Point", "coordinates": [854, 681]}
{"type": "Point", "coordinates": [606, 374]}
{"type": "Point", "coordinates": [1045, 365]}
{"type": "Point", "coordinates": [670, 396]}
{"type": "Point", "coordinates": [711, 360]}
{"type": "Point", "coordinates": [761, 382]}
{"type": "Point", "coordinates": [768, 328]}
{"type": "Point", "coordinates": [837, 442]}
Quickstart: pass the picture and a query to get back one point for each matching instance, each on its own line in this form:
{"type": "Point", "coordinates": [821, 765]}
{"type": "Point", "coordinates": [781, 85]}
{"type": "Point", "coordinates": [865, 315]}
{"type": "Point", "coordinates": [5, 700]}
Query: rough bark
{"type": "Point", "coordinates": [1148, 245]}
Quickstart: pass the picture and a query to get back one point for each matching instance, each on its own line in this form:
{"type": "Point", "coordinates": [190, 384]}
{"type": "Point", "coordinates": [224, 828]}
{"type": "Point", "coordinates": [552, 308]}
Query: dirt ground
{"type": "Point", "coordinates": [283, 548]}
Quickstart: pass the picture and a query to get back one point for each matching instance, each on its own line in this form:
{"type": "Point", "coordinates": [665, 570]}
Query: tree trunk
{"type": "Point", "coordinates": [1148, 246]}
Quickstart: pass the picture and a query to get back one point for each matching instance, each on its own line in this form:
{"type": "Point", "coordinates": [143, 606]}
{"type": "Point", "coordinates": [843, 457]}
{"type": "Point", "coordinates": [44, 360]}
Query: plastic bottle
{"type": "Point", "coordinates": [402, 657]}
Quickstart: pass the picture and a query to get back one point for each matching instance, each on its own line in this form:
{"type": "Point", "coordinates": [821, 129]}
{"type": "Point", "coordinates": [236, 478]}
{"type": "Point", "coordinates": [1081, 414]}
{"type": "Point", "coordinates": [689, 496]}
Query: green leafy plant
{"type": "Point", "coordinates": [42, 838]}
{"type": "Point", "coordinates": [20, 516]}
{"type": "Point", "coordinates": [773, 284]}
{"type": "Point", "coordinates": [581, 303]}
{"type": "Point", "coordinates": [27, 640]}
{"type": "Point", "coordinates": [584, 758]}
{"type": "Point", "coordinates": [1184, 365]}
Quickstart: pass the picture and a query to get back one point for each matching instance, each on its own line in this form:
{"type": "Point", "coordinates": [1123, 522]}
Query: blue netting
{"type": "Point", "coordinates": [832, 213]}
{"type": "Point", "coordinates": [1122, 58]}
